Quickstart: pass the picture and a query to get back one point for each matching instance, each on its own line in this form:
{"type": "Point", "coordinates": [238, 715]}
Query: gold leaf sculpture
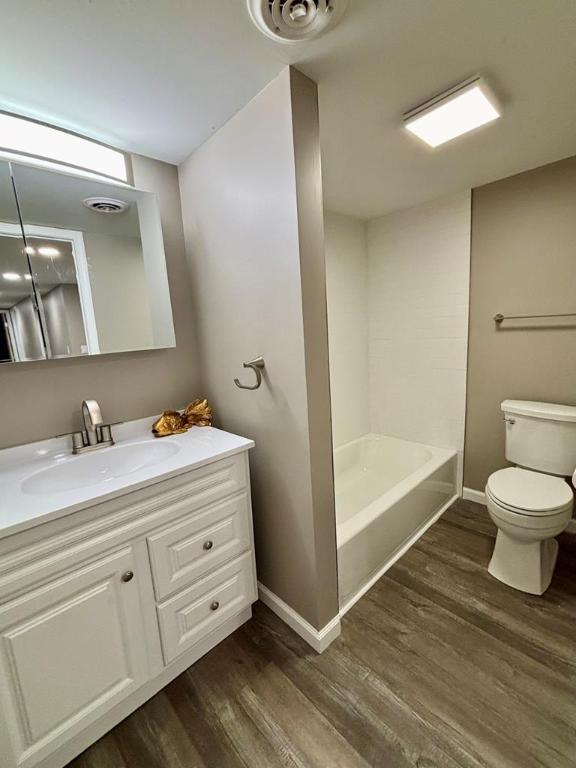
{"type": "Point", "coordinates": [197, 414]}
{"type": "Point", "coordinates": [170, 423]}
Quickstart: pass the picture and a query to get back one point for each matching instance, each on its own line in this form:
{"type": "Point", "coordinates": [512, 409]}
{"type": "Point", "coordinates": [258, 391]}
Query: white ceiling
{"type": "Point", "coordinates": [158, 77]}
{"type": "Point", "coordinates": [398, 53]}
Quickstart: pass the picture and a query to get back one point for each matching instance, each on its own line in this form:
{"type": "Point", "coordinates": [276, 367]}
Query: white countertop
{"type": "Point", "coordinates": [20, 510]}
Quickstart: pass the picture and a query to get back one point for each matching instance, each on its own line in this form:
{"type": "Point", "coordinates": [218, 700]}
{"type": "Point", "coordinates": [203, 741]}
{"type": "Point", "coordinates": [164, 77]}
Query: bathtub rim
{"type": "Point", "coordinates": [348, 529]}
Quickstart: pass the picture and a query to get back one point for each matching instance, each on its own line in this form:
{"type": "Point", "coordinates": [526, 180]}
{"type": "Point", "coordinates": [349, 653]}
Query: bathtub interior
{"type": "Point", "coordinates": [366, 468]}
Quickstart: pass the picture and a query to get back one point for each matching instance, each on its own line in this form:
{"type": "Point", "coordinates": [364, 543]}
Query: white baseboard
{"type": "Point", "coordinates": [345, 607]}
{"type": "Point", "coordinates": [318, 639]}
{"type": "Point", "coordinates": [471, 495]}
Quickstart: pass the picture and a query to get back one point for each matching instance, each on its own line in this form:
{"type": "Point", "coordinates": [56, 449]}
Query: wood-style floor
{"type": "Point", "coordinates": [438, 666]}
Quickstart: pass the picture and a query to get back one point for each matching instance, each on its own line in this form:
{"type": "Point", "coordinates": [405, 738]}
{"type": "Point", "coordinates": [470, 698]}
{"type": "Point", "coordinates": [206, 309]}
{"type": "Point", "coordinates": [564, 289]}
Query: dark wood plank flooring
{"type": "Point", "coordinates": [438, 666]}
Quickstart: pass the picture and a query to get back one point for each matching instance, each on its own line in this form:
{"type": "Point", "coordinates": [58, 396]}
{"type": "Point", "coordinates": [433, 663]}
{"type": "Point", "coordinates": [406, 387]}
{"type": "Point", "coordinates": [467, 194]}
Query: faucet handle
{"type": "Point", "coordinates": [78, 439]}
{"type": "Point", "coordinates": [67, 434]}
{"type": "Point", "coordinates": [104, 433]}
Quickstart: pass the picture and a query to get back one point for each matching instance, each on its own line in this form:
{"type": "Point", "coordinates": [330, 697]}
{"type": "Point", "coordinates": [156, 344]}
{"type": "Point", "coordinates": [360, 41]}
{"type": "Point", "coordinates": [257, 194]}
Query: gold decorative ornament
{"type": "Point", "coordinates": [170, 423]}
{"type": "Point", "coordinates": [197, 414]}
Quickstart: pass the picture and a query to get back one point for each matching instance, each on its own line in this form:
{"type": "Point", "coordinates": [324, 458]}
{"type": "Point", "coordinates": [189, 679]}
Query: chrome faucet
{"type": "Point", "coordinates": [95, 434]}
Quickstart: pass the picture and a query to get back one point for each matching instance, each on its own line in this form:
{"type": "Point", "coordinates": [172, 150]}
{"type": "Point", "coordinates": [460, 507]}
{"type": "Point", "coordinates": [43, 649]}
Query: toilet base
{"type": "Point", "coordinates": [526, 566]}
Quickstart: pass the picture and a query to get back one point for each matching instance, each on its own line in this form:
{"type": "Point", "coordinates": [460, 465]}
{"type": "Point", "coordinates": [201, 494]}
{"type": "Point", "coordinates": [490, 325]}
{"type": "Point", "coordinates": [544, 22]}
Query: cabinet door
{"type": "Point", "coordinates": [69, 650]}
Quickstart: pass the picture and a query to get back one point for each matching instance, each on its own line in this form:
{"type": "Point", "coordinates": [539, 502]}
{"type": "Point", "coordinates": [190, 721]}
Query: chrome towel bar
{"type": "Point", "coordinates": [257, 366]}
{"type": "Point", "coordinates": [499, 318]}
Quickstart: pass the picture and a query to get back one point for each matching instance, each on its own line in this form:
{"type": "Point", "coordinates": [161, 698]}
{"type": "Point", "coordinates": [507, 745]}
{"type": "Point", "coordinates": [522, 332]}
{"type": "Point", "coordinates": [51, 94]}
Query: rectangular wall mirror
{"type": "Point", "coordinates": [82, 267]}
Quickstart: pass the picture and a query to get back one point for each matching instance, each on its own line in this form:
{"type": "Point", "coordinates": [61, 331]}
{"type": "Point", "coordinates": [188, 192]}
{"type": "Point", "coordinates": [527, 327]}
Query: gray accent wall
{"type": "Point", "coordinates": [523, 262]}
{"type": "Point", "coordinates": [42, 399]}
{"type": "Point", "coordinates": [252, 208]}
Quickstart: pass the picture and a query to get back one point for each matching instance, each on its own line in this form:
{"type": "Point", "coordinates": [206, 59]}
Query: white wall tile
{"type": "Point", "coordinates": [418, 283]}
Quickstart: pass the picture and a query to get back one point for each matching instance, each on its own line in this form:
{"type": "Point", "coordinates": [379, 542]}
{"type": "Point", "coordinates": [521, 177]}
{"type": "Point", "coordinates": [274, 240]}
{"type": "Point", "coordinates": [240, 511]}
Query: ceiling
{"type": "Point", "coordinates": [158, 77]}
{"type": "Point", "coordinates": [399, 53]}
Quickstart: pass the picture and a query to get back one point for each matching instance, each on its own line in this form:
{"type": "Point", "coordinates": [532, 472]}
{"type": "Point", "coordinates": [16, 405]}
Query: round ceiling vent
{"type": "Point", "coordinates": [105, 204]}
{"type": "Point", "coordinates": [291, 21]}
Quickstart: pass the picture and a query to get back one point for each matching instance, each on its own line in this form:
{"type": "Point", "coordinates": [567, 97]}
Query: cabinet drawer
{"type": "Point", "coordinates": [48, 549]}
{"type": "Point", "coordinates": [187, 550]}
{"type": "Point", "coordinates": [192, 614]}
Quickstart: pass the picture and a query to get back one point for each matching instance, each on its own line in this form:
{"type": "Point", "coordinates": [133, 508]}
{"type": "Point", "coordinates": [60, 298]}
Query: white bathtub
{"type": "Point", "coordinates": [388, 492]}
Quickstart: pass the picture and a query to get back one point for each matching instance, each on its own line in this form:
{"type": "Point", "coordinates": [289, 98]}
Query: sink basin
{"type": "Point", "coordinates": [99, 467]}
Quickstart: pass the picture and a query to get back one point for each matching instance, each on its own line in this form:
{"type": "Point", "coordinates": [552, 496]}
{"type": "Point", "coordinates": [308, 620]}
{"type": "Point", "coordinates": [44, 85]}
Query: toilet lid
{"type": "Point", "coordinates": [529, 491]}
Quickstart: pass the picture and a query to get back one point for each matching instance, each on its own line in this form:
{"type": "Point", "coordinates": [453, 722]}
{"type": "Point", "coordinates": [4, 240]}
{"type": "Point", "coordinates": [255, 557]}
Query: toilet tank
{"type": "Point", "coordinates": [541, 436]}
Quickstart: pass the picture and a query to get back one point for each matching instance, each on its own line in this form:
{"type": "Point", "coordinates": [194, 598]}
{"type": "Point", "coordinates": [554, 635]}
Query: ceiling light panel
{"type": "Point", "coordinates": [454, 113]}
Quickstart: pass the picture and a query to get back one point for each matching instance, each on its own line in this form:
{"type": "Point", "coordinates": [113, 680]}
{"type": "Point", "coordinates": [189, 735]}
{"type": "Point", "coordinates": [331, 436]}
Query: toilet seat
{"type": "Point", "coordinates": [522, 517]}
{"type": "Point", "coordinates": [529, 493]}
{"type": "Point", "coordinates": [542, 525]}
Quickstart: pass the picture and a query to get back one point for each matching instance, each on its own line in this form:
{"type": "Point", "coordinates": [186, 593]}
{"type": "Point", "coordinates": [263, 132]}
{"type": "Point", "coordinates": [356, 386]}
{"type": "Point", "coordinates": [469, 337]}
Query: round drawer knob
{"type": "Point", "coordinates": [127, 576]}
{"type": "Point", "coordinates": [215, 605]}
{"type": "Point", "coordinates": [208, 545]}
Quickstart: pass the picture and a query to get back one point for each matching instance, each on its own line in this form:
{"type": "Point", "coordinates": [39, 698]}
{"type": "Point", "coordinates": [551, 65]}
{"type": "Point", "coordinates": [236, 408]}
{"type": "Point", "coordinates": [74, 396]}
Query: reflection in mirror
{"type": "Point", "coordinates": [63, 313]}
{"type": "Point", "coordinates": [20, 329]}
{"type": "Point", "coordinates": [97, 259]}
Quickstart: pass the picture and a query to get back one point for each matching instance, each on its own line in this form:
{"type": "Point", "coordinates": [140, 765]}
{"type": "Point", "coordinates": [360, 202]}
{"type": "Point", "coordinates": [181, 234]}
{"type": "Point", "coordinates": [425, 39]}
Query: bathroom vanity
{"type": "Point", "coordinates": [118, 570]}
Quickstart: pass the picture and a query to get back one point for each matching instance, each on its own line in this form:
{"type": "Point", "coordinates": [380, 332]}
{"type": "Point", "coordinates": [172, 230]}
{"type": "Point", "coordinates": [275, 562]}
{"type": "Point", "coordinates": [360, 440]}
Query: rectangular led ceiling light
{"type": "Point", "coordinates": [453, 113]}
{"type": "Point", "coordinates": [19, 135]}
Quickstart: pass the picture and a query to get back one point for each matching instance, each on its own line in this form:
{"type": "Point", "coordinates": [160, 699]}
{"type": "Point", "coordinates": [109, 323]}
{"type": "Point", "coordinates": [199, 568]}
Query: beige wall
{"type": "Point", "coordinates": [251, 198]}
{"type": "Point", "coordinates": [523, 262]}
{"type": "Point", "coordinates": [128, 386]}
{"type": "Point", "coordinates": [310, 223]}
{"type": "Point", "coordinates": [347, 289]}
{"type": "Point", "coordinates": [119, 291]}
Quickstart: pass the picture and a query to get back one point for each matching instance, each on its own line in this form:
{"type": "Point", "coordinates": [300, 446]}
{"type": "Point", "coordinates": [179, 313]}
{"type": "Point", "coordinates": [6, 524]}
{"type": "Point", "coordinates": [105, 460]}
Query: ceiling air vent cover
{"type": "Point", "coordinates": [105, 204]}
{"type": "Point", "coordinates": [290, 21]}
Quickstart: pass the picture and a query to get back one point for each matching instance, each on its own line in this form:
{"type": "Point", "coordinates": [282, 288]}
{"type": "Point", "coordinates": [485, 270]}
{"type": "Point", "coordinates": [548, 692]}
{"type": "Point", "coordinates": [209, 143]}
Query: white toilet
{"type": "Point", "coordinates": [532, 502]}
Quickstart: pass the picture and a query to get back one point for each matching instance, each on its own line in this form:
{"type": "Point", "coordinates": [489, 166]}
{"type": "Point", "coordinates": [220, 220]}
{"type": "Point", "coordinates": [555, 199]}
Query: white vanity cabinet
{"type": "Point", "coordinates": [100, 608]}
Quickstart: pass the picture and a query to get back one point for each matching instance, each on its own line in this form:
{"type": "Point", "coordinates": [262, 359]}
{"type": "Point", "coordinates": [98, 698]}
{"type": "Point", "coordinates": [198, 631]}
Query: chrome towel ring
{"type": "Point", "coordinates": [257, 366]}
